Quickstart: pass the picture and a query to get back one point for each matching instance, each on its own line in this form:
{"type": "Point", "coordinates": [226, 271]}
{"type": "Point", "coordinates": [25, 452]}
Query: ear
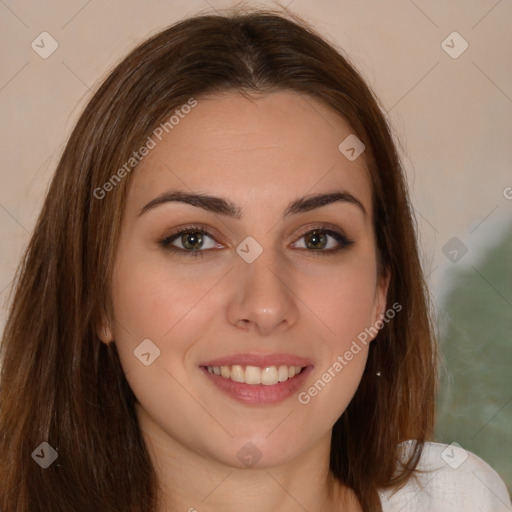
{"type": "Point", "coordinates": [104, 332]}
{"type": "Point", "coordinates": [379, 302]}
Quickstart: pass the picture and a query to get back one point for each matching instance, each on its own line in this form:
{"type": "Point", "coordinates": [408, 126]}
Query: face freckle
{"type": "Point", "coordinates": [258, 290]}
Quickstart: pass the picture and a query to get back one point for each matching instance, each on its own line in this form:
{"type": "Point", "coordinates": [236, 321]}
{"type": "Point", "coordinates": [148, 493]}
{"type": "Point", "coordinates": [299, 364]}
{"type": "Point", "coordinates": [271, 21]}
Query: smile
{"type": "Point", "coordinates": [254, 375]}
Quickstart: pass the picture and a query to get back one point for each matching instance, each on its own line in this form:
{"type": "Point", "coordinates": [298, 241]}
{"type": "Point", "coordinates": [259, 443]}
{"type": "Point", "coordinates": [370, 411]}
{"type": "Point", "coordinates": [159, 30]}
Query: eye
{"type": "Point", "coordinates": [192, 240]}
{"type": "Point", "coordinates": [317, 239]}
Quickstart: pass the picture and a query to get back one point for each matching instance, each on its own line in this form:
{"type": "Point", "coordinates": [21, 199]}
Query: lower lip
{"type": "Point", "coordinates": [259, 394]}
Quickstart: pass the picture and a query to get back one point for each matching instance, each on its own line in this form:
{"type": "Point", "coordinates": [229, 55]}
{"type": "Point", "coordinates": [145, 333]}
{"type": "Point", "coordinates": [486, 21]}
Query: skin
{"type": "Point", "coordinates": [261, 153]}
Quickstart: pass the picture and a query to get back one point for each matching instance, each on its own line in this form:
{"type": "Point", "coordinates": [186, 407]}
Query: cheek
{"type": "Point", "coordinates": [161, 302]}
{"type": "Point", "coordinates": [171, 304]}
{"type": "Point", "coordinates": [151, 295]}
{"type": "Point", "coordinates": [345, 311]}
{"type": "Point", "coordinates": [342, 300]}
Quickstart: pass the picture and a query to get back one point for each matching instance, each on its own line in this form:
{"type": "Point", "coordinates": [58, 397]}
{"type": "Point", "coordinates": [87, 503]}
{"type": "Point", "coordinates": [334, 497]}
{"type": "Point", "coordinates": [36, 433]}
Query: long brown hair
{"type": "Point", "coordinates": [60, 384]}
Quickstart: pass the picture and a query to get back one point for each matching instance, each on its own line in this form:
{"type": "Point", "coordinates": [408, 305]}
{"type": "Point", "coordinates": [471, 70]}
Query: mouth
{"type": "Point", "coordinates": [254, 375]}
{"type": "Point", "coordinates": [256, 379]}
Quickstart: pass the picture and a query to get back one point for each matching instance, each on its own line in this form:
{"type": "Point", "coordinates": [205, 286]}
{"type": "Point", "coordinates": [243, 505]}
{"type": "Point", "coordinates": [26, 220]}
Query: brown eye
{"type": "Point", "coordinates": [315, 240]}
{"type": "Point", "coordinates": [318, 241]}
{"type": "Point", "coordinates": [192, 240]}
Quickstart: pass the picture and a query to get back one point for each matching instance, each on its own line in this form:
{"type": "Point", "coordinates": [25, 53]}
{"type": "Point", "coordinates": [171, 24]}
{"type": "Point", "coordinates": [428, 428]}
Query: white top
{"type": "Point", "coordinates": [456, 480]}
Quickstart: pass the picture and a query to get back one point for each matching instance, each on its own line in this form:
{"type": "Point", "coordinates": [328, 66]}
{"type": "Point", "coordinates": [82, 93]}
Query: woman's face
{"type": "Point", "coordinates": [257, 290]}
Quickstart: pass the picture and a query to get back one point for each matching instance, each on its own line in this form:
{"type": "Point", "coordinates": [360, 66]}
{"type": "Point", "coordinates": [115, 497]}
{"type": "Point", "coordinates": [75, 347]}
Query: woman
{"type": "Point", "coordinates": [222, 305]}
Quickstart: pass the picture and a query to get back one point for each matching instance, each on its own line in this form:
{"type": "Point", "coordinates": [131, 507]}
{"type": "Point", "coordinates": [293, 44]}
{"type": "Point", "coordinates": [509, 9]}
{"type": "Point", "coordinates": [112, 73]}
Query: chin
{"type": "Point", "coordinates": [254, 452]}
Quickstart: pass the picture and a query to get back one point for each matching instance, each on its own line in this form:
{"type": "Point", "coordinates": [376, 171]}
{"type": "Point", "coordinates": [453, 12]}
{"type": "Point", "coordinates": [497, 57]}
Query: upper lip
{"type": "Point", "coordinates": [260, 360]}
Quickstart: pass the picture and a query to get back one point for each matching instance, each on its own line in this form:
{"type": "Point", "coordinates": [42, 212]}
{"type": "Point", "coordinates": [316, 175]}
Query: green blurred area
{"type": "Point", "coordinates": [475, 399]}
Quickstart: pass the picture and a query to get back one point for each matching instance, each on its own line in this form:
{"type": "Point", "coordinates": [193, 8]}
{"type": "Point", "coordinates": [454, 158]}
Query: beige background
{"type": "Point", "coordinates": [452, 117]}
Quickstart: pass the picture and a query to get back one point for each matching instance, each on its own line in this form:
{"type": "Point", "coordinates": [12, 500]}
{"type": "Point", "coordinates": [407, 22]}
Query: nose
{"type": "Point", "coordinates": [262, 298]}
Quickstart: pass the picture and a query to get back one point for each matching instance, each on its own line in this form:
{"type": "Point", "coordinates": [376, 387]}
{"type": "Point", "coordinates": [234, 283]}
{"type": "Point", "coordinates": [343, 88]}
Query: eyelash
{"type": "Point", "coordinates": [165, 243]}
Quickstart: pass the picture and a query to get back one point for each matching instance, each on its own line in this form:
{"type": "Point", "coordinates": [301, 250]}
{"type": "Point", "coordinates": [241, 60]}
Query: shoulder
{"type": "Point", "coordinates": [447, 479]}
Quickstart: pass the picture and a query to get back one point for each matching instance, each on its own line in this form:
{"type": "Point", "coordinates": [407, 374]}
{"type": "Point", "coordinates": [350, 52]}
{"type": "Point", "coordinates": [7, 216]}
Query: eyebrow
{"type": "Point", "coordinates": [226, 207]}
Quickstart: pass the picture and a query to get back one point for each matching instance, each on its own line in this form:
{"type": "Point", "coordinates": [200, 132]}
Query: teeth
{"type": "Point", "coordinates": [237, 373]}
{"type": "Point", "coordinates": [268, 376]}
{"type": "Point", "coordinates": [252, 375]}
{"type": "Point", "coordinates": [282, 374]}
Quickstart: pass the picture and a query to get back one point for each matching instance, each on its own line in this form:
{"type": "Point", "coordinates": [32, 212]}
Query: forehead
{"type": "Point", "coordinates": [261, 151]}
